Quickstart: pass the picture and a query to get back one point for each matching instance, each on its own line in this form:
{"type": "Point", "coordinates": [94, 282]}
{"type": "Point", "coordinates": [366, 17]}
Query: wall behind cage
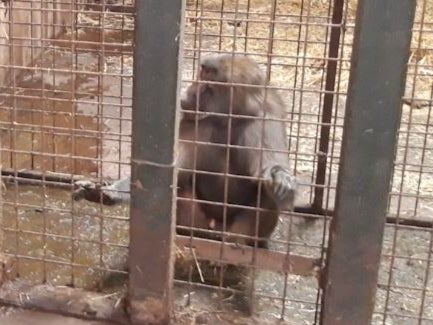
{"type": "Point", "coordinates": [23, 29]}
{"type": "Point", "coordinates": [63, 104]}
{"type": "Point", "coordinates": [65, 107]}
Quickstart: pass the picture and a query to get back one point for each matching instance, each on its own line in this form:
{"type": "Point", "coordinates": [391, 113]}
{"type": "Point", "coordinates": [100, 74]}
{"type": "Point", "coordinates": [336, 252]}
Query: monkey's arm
{"type": "Point", "coordinates": [269, 161]}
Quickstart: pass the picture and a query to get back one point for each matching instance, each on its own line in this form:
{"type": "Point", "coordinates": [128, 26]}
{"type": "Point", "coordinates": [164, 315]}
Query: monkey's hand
{"type": "Point", "coordinates": [100, 193]}
{"type": "Point", "coordinates": [86, 189]}
{"type": "Point", "coordinates": [281, 185]}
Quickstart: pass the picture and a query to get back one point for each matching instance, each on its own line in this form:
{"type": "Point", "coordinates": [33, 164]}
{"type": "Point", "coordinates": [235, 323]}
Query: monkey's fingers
{"type": "Point", "coordinates": [92, 192]}
{"type": "Point", "coordinates": [85, 189]}
{"type": "Point", "coordinates": [85, 184]}
{"type": "Point", "coordinates": [282, 185]}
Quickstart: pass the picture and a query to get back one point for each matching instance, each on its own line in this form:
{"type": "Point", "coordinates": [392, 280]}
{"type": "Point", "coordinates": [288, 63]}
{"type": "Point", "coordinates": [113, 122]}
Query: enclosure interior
{"type": "Point", "coordinates": [65, 114]}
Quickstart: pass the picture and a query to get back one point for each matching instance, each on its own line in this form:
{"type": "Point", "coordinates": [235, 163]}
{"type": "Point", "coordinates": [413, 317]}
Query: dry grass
{"type": "Point", "coordinates": [206, 17]}
{"type": "Point", "coordinates": [297, 64]}
{"type": "Point", "coordinates": [296, 41]}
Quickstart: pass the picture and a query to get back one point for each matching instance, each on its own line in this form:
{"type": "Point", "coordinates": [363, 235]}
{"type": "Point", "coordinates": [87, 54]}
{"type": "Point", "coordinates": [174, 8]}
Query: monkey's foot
{"type": "Point", "coordinates": [281, 185]}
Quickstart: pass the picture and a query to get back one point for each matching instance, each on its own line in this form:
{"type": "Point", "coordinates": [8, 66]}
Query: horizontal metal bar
{"type": "Point", "coordinates": [244, 255]}
{"type": "Point", "coordinates": [51, 179]}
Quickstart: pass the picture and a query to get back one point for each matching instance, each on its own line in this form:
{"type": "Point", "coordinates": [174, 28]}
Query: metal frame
{"type": "Point", "coordinates": [154, 129]}
{"type": "Point", "coordinates": [378, 72]}
{"type": "Point", "coordinates": [328, 101]}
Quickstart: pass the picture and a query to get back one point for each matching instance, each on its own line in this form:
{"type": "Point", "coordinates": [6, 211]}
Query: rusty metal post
{"type": "Point", "coordinates": [328, 103]}
{"type": "Point", "coordinates": [380, 55]}
{"type": "Point", "coordinates": [158, 32]}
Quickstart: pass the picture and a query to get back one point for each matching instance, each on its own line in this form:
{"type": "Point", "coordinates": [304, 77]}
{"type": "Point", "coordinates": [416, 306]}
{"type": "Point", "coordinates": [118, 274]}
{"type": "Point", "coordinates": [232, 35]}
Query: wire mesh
{"type": "Point", "coordinates": [65, 112]}
{"type": "Point", "coordinates": [292, 43]}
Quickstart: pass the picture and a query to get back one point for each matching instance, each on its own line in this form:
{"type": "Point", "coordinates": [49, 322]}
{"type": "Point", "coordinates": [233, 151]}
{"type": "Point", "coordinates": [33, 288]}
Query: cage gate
{"type": "Point", "coordinates": [72, 119]}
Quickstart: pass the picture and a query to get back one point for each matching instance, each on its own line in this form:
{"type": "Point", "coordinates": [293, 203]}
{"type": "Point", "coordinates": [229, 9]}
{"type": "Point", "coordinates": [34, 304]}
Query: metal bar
{"type": "Point", "coordinates": [37, 175]}
{"type": "Point", "coordinates": [158, 36]}
{"type": "Point", "coordinates": [309, 212]}
{"type": "Point", "coordinates": [328, 101]}
{"type": "Point", "coordinates": [52, 179]}
{"type": "Point", "coordinates": [378, 73]}
{"type": "Point", "coordinates": [243, 255]}
{"type": "Point", "coordinates": [127, 9]}
{"type": "Point", "coordinates": [2, 248]}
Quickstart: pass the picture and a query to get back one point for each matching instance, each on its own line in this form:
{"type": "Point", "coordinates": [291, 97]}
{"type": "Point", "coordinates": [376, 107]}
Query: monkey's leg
{"type": "Point", "coordinates": [252, 225]}
{"type": "Point", "coordinates": [189, 214]}
{"type": "Point", "coordinates": [267, 159]}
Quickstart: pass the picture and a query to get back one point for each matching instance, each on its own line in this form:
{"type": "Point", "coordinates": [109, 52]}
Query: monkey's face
{"type": "Point", "coordinates": [209, 73]}
{"type": "Point", "coordinates": [196, 99]}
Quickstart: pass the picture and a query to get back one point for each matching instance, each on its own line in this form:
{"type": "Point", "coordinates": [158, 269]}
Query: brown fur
{"type": "Point", "coordinates": [272, 166]}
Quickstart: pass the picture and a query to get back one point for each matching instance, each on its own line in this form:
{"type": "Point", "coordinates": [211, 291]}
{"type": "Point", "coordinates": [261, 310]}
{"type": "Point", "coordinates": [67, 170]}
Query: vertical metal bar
{"type": "Point", "coordinates": [328, 102]}
{"type": "Point", "coordinates": [378, 72]}
{"type": "Point", "coordinates": [158, 32]}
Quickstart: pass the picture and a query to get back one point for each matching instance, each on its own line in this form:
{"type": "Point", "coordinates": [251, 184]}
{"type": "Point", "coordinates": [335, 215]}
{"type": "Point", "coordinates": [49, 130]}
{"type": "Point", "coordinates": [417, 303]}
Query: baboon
{"type": "Point", "coordinates": [249, 118]}
{"type": "Point", "coordinates": [240, 111]}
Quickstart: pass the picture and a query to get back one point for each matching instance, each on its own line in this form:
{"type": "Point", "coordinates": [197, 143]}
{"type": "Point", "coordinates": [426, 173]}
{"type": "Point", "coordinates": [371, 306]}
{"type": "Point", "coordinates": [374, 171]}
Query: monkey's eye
{"type": "Point", "coordinates": [206, 73]}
